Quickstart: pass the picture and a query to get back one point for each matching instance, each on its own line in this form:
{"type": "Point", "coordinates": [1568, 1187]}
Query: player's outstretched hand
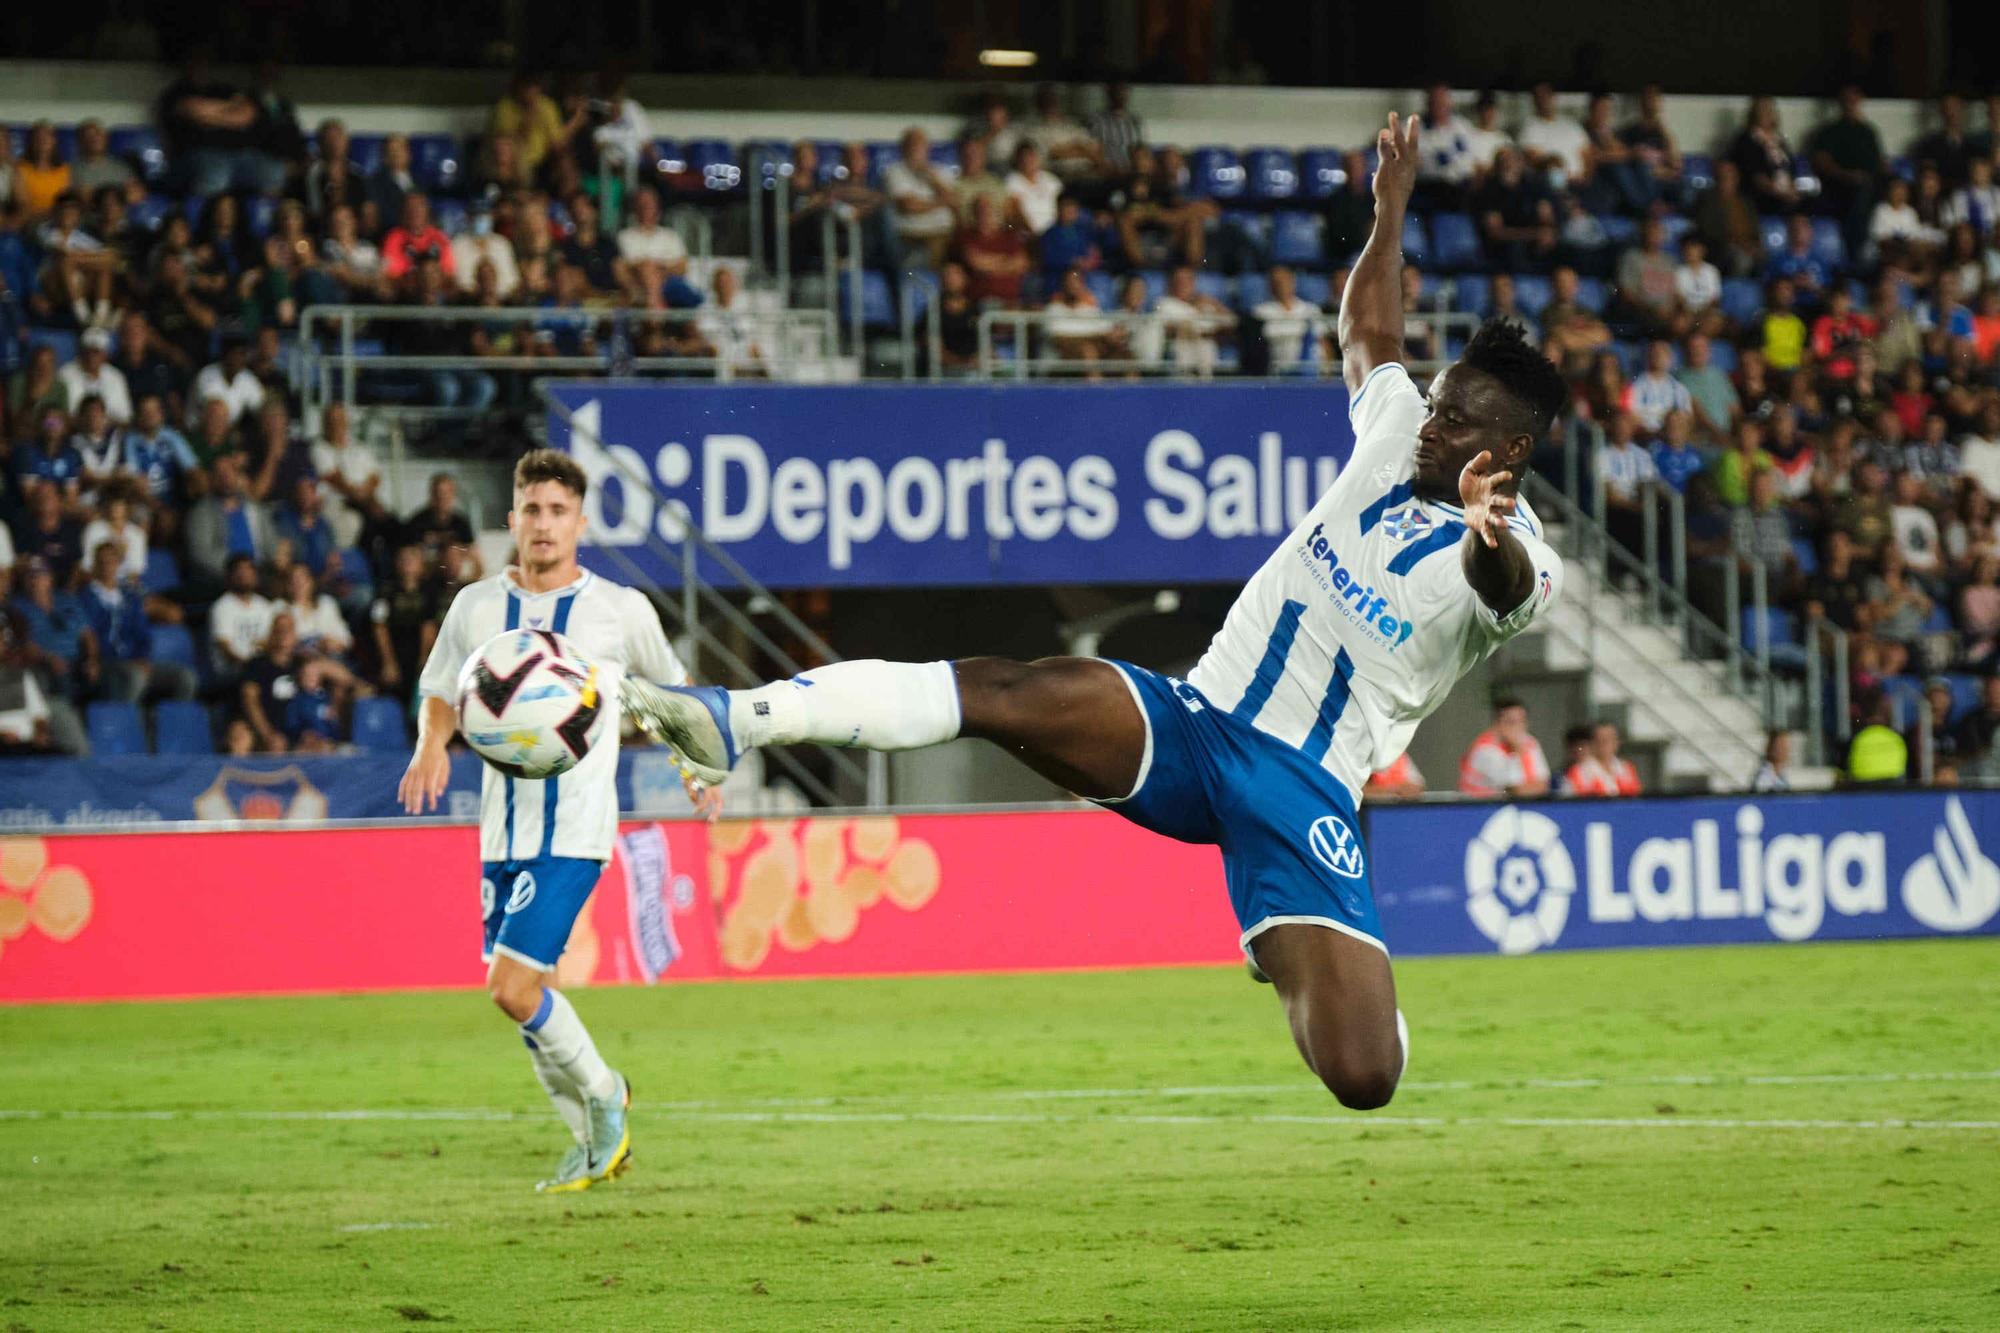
{"type": "Point", "coordinates": [1486, 504]}
{"type": "Point", "coordinates": [707, 800]}
{"type": "Point", "coordinates": [1396, 171]}
{"type": "Point", "coordinates": [424, 780]}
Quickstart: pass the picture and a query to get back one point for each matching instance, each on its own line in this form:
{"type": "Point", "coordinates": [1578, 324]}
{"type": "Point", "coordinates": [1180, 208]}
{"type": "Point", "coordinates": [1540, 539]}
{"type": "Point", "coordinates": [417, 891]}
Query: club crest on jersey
{"type": "Point", "coordinates": [1407, 524]}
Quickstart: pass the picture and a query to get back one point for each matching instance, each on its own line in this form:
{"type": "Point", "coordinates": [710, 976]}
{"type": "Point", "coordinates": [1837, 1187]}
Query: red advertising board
{"type": "Point", "coordinates": [109, 916]}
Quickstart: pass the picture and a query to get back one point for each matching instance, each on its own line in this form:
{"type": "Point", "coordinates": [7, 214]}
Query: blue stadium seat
{"type": "Point", "coordinates": [1698, 170]}
{"type": "Point", "coordinates": [1532, 294]}
{"type": "Point", "coordinates": [1316, 288]}
{"type": "Point", "coordinates": [1156, 284]}
{"type": "Point", "coordinates": [1742, 298]}
{"type": "Point", "coordinates": [64, 341]}
{"type": "Point", "coordinates": [436, 160]}
{"type": "Point", "coordinates": [140, 145]}
{"type": "Point", "coordinates": [1772, 229]}
{"type": "Point", "coordinates": [1252, 290]}
{"type": "Point", "coordinates": [1806, 554]}
{"type": "Point", "coordinates": [259, 213]}
{"type": "Point", "coordinates": [1965, 693]}
{"type": "Point", "coordinates": [1631, 356]}
{"type": "Point", "coordinates": [181, 727]}
{"type": "Point", "coordinates": [944, 153]}
{"type": "Point", "coordinates": [716, 160]}
{"type": "Point", "coordinates": [1214, 173]}
{"type": "Point", "coordinates": [115, 729]}
{"type": "Point", "coordinates": [365, 152]}
{"type": "Point", "coordinates": [379, 724]}
{"type": "Point", "coordinates": [882, 154]}
{"type": "Point", "coordinates": [1592, 294]}
{"type": "Point", "coordinates": [451, 215]}
{"type": "Point", "coordinates": [1221, 287]}
{"type": "Point", "coordinates": [1674, 226]}
{"type": "Point", "coordinates": [669, 158]}
{"type": "Point", "coordinates": [878, 305]}
{"type": "Point", "coordinates": [1254, 229]}
{"type": "Point", "coordinates": [174, 644]}
{"type": "Point", "coordinates": [1827, 244]}
{"type": "Point", "coordinates": [1295, 239]}
{"type": "Point", "coordinates": [1722, 355]}
{"type": "Point", "coordinates": [163, 571]}
{"type": "Point", "coordinates": [1903, 692]}
{"type": "Point", "coordinates": [66, 142]}
{"type": "Point", "coordinates": [1320, 172]}
{"type": "Point", "coordinates": [150, 213]}
{"type": "Point", "coordinates": [1472, 293]}
{"type": "Point", "coordinates": [767, 159]}
{"type": "Point", "coordinates": [829, 153]}
{"type": "Point", "coordinates": [1429, 288]}
{"type": "Point", "coordinates": [1783, 628]}
{"type": "Point", "coordinates": [1455, 242]}
{"type": "Point", "coordinates": [1271, 174]}
{"type": "Point", "coordinates": [1416, 242]}
{"type": "Point", "coordinates": [1104, 287]}
{"type": "Point", "coordinates": [355, 563]}
{"type": "Point", "coordinates": [1619, 231]}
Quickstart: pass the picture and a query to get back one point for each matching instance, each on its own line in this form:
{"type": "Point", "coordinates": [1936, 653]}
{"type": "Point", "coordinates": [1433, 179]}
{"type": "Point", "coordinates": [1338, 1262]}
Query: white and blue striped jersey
{"type": "Point", "coordinates": [1357, 627]}
{"type": "Point", "coordinates": [618, 629]}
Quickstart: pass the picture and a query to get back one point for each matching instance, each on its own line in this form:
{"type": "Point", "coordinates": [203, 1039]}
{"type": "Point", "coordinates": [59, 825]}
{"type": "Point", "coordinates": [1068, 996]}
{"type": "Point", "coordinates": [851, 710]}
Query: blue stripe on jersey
{"type": "Point", "coordinates": [551, 788]}
{"type": "Point", "coordinates": [1443, 539]}
{"type": "Point", "coordinates": [1338, 691]}
{"type": "Point", "coordinates": [1395, 495]}
{"type": "Point", "coordinates": [513, 622]}
{"type": "Point", "coordinates": [1273, 664]}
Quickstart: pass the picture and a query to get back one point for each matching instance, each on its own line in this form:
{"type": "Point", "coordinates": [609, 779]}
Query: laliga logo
{"type": "Point", "coordinates": [1518, 880]}
{"type": "Point", "coordinates": [1334, 843]}
{"type": "Point", "coordinates": [1956, 887]}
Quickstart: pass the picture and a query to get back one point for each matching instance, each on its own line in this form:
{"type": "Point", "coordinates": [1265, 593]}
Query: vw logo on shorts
{"type": "Point", "coordinates": [1337, 846]}
{"type": "Point", "coordinates": [523, 894]}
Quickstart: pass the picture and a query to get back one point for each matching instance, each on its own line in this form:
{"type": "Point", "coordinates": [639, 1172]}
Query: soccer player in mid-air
{"type": "Point", "coordinates": [1418, 562]}
{"type": "Point", "coordinates": [542, 844]}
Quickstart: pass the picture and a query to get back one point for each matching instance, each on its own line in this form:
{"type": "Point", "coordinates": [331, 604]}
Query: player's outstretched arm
{"type": "Point", "coordinates": [1496, 564]}
{"type": "Point", "coordinates": [1371, 309]}
{"type": "Point", "coordinates": [425, 779]}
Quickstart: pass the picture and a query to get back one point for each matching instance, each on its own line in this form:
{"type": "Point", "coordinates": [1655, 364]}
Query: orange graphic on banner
{"type": "Point", "coordinates": [802, 883]}
{"type": "Point", "coordinates": [54, 900]}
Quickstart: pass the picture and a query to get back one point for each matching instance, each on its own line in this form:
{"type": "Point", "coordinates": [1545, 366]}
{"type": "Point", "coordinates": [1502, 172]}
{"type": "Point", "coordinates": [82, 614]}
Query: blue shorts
{"type": "Point", "coordinates": [1291, 844]}
{"type": "Point", "coordinates": [529, 906]}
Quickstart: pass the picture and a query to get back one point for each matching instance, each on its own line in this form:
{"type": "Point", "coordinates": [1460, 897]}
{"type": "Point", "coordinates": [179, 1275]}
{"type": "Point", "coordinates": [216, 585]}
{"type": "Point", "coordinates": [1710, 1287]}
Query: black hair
{"type": "Point", "coordinates": [1501, 349]}
{"type": "Point", "coordinates": [1503, 702]}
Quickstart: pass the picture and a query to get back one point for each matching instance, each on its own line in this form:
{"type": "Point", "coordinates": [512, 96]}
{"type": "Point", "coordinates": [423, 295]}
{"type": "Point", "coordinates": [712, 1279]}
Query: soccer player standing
{"type": "Point", "coordinates": [542, 844]}
{"type": "Point", "coordinates": [1416, 563]}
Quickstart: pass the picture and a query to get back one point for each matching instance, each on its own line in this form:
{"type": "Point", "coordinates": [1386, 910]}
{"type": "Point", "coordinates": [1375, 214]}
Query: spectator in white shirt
{"type": "Point", "coordinates": [1294, 328]}
{"type": "Point", "coordinates": [729, 329]}
{"type": "Point", "coordinates": [1066, 146]}
{"type": "Point", "coordinates": [1033, 191]}
{"type": "Point", "coordinates": [114, 524]}
{"type": "Point", "coordinates": [480, 242]}
{"type": "Point", "coordinates": [1897, 230]}
{"type": "Point", "coordinates": [926, 207]}
{"type": "Point", "coordinates": [239, 621]}
{"type": "Point", "coordinates": [1626, 467]}
{"type": "Point", "coordinates": [1447, 166]}
{"type": "Point", "coordinates": [1979, 452]}
{"type": "Point", "coordinates": [656, 256]}
{"type": "Point", "coordinates": [1076, 326]}
{"type": "Point", "coordinates": [1192, 320]}
{"type": "Point", "coordinates": [1650, 396]}
{"type": "Point", "coordinates": [1916, 528]}
{"type": "Point", "coordinates": [352, 472]}
{"type": "Point", "coordinates": [622, 139]}
{"type": "Point", "coordinates": [1699, 285]}
{"type": "Point", "coordinates": [322, 629]}
{"type": "Point", "coordinates": [93, 373]}
{"type": "Point", "coordinates": [1554, 143]}
{"type": "Point", "coordinates": [229, 381]}
{"type": "Point", "coordinates": [1977, 201]}
{"type": "Point", "coordinates": [1485, 139]}
{"type": "Point", "coordinates": [995, 129]}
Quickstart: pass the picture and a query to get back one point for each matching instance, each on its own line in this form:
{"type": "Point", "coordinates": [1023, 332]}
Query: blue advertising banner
{"type": "Point", "coordinates": [1604, 874]}
{"type": "Point", "coordinates": [49, 794]}
{"type": "Point", "coordinates": [953, 485]}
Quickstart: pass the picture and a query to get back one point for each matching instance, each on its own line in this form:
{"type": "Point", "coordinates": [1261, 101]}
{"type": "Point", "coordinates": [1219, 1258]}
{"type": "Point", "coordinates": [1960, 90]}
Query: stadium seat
{"type": "Point", "coordinates": [1806, 554]}
{"type": "Point", "coordinates": [1827, 244]}
{"type": "Point", "coordinates": [451, 215]}
{"type": "Point", "coordinates": [365, 151]}
{"type": "Point", "coordinates": [174, 644]}
{"type": "Point", "coordinates": [1621, 232]}
{"type": "Point", "coordinates": [1472, 293]}
{"type": "Point", "coordinates": [1965, 693]}
{"type": "Point", "coordinates": [140, 145]}
{"type": "Point", "coordinates": [1674, 226]}
{"type": "Point", "coordinates": [150, 213]}
{"type": "Point", "coordinates": [1252, 290]}
{"type": "Point", "coordinates": [1316, 288]}
{"type": "Point", "coordinates": [767, 159]}
{"type": "Point", "coordinates": [878, 305]}
{"type": "Point", "coordinates": [1156, 284]}
{"type": "Point", "coordinates": [1455, 242]}
{"type": "Point", "coordinates": [944, 154]}
{"type": "Point", "coordinates": [1222, 288]}
{"type": "Point", "coordinates": [1592, 294]}
{"type": "Point", "coordinates": [1214, 173]}
{"type": "Point", "coordinates": [1271, 174]}
{"type": "Point", "coordinates": [1416, 242]}
{"type": "Point", "coordinates": [1104, 287]}
{"type": "Point", "coordinates": [1722, 355]}
{"type": "Point", "coordinates": [1741, 299]}
{"type": "Point", "coordinates": [379, 724]}
{"type": "Point", "coordinates": [64, 341]}
{"type": "Point", "coordinates": [115, 729]}
{"type": "Point", "coordinates": [1903, 692]}
{"type": "Point", "coordinates": [1532, 294]}
{"type": "Point", "coordinates": [435, 161]}
{"type": "Point", "coordinates": [181, 727]}
{"type": "Point", "coordinates": [669, 158]}
{"type": "Point", "coordinates": [883, 154]}
{"type": "Point", "coordinates": [163, 571]}
{"type": "Point", "coordinates": [1320, 172]}
{"type": "Point", "coordinates": [829, 168]}
{"type": "Point", "coordinates": [716, 162]}
{"type": "Point", "coordinates": [1773, 230]}
{"type": "Point", "coordinates": [1631, 356]}
{"type": "Point", "coordinates": [1295, 239]}
{"type": "Point", "coordinates": [1783, 628]}
{"type": "Point", "coordinates": [259, 213]}
{"type": "Point", "coordinates": [1698, 170]}
{"type": "Point", "coordinates": [1430, 291]}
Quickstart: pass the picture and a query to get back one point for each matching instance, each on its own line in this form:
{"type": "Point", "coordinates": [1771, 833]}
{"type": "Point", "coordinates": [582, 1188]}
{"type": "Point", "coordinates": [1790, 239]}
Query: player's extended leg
{"type": "Point", "coordinates": [589, 1095]}
{"type": "Point", "coordinates": [1340, 998]}
{"type": "Point", "coordinates": [1071, 719]}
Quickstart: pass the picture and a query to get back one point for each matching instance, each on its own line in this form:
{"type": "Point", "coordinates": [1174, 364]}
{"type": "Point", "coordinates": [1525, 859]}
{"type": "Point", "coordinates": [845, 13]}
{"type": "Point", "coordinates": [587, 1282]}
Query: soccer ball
{"type": "Point", "coordinates": [530, 704]}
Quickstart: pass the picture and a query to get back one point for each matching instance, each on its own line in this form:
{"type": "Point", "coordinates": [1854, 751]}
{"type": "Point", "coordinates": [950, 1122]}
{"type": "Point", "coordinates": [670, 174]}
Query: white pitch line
{"type": "Point", "coordinates": [390, 1226]}
{"type": "Point", "coordinates": [782, 1117]}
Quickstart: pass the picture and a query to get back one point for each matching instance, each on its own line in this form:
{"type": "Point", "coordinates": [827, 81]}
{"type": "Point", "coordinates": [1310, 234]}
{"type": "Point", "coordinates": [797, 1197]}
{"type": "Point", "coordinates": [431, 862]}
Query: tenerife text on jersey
{"type": "Point", "coordinates": [1356, 601]}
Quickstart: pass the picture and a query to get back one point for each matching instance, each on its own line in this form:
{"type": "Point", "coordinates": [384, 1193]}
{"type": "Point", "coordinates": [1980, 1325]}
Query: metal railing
{"type": "Point", "coordinates": [697, 596]}
{"type": "Point", "coordinates": [915, 281]}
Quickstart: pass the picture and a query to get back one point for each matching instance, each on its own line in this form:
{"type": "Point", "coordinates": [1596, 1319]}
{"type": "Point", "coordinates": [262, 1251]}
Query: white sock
{"type": "Point", "coordinates": [872, 704]}
{"type": "Point", "coordinates": [1402, 1035]}
{"type": "Point", "coordinates": [562, 1093]}
{"type": "Point", "coordinates": [560, 1035]}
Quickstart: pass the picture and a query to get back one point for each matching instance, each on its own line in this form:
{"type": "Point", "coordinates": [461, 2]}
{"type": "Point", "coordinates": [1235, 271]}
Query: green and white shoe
{"type": "Point", "coordinates": [690, 720]}
{"type": "Point", "coordinates": [572, 1173]}
{"type": "Point", "coordinates": [610, 1134]}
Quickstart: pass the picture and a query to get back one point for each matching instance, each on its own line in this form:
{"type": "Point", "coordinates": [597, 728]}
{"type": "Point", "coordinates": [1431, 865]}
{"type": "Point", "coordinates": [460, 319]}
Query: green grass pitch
{"type": "Point", "coordinates": [1759, 1138]}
